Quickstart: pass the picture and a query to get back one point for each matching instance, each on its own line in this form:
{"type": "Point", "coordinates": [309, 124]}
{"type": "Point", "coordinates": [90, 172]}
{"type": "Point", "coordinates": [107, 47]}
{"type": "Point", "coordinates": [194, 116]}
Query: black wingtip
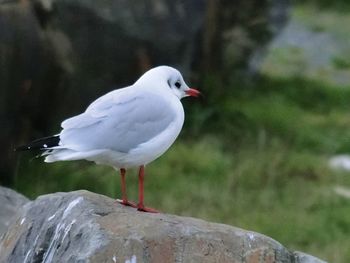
{"type": "Point", "coordinates": [40, 144]}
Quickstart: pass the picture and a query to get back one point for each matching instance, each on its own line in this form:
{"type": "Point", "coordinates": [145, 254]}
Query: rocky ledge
{"type": "Point", "coordinates": [85, 227]}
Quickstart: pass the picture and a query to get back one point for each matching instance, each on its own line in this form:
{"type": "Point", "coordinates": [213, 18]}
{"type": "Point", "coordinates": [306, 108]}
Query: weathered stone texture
{"type": "Point", "coordinates": [86, 227]}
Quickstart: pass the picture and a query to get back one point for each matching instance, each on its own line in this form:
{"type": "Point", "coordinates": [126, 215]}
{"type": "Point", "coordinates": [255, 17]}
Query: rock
{"type": "Point", "coordinates": [342, 191]}
{"type": "Point", "coordinates": [115, 36]}
{"type": "Point", "coordinates": [86, 227]}
{"type": "Point", "coordinates": [293, 54]}
{"type": "Point", "coordinates": [340, 162]}
{"type": "Point", "coordinates": [305, 258]}
{"type": "Point", "coordinates": [10, 203]}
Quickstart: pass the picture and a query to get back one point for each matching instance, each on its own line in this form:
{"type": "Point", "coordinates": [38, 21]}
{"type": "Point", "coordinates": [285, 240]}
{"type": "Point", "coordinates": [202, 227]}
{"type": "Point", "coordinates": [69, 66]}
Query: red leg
{"type": "Point", "coordinates": [124, 200]}
{"type": "Point", "coordinates": [140, 205]}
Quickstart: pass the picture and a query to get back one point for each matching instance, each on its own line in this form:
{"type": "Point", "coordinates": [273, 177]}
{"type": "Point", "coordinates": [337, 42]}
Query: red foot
{"type": "Point", "coordinates": [127, 203]}
{"type": "Point", "coordinates": [146, 209]}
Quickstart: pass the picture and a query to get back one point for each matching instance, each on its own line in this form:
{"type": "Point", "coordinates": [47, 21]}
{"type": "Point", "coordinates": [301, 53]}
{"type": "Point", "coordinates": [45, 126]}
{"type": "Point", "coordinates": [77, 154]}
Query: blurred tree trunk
{"type": "Point", "coordinates": [211, 36]}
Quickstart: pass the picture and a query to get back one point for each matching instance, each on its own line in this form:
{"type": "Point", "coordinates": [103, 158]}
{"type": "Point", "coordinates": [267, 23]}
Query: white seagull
{"type": "Point", "coordinates": [128, 127]}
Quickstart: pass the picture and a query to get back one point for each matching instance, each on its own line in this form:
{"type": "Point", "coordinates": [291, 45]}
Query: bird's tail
{"type": "Point", "coordinates": [41, 144]}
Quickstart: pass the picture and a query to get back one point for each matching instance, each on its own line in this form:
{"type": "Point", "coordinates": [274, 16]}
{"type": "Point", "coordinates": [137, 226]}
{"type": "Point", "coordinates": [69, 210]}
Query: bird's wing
{"type": "Point", "coordinates": [97, 109]}
{"type": "Point", "coordinates": [118, 121]}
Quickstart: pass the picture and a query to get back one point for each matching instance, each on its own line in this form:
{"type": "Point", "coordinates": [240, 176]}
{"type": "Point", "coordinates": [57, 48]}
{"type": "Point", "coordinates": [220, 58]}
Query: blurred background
{"type": "Point", "coordinates": [265, 149]}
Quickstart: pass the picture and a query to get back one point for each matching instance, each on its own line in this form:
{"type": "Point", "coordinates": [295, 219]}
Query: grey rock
{"type": "Point", "coordinates": [340, 162]}
{"type": "Point", "coordinates": [311, 46]}
{"type": "Point", "coordinates": [301, 257]}
{"type": "Point", "coordinates": [10, 203]}
{"type": "Point", "coordinates": [114, 36]}
{"type": "Point", "coordinates": [86, 227]}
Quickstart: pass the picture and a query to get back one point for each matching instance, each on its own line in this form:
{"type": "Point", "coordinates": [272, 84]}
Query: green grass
{"type": "Point", "coordinates": [256, 159]}
{"type": "Point", "coordinates": [339, 5]}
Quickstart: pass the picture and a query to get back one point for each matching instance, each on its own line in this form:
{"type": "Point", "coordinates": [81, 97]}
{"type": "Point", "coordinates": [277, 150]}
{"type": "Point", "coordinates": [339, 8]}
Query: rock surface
{"type": "Point", "coordinates": [85, 227]}
{"type": "Point", "coordinates": [340, 162]}
{"type": "Point", "coordinates": [10, 203]}
{"type": "Point", "coordinates": [301, 257]}
{"type": "Point", "coordinates": [312, 47]}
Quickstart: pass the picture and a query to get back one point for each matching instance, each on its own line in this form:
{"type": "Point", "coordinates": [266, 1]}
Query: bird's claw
{"type": "Point", "coordinates": [127, 203]}
{"type": "Point", "coordinates": [142, 208]}
{"type": "Point", "coordinates": [139, 207]}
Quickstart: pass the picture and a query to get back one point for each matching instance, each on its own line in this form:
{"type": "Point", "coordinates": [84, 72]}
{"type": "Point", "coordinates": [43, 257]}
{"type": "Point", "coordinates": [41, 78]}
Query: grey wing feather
{"type": "Point", "coordinates": [96, 109]}
{"type": "Point", "coordinates": [117, 122]}
{"type": "Point", "coordinates": [79, 121]}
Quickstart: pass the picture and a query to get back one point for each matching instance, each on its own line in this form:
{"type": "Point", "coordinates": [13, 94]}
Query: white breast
{"type": "Point", "coordinates": [152, 149]}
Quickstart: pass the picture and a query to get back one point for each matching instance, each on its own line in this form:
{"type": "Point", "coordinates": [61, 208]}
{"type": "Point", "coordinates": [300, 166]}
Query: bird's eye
{"type": "Point", "coordinates": [177, 84]}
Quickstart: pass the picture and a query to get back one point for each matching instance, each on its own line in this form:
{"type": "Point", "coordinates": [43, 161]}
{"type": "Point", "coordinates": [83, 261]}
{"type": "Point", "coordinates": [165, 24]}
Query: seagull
{"type": "Point", "coordinates": [125, 128]}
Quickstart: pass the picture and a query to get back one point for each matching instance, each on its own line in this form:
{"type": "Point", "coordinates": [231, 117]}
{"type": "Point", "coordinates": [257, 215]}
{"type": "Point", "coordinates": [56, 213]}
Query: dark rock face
{"type": "Point", "coordinates": [85, 227]}
{"type": "Point", "coordinates": [10, 203]}
{"type": "Point", "coordinates": [55, 228]}
{"type": "Point", "coordinates": [29, 78]}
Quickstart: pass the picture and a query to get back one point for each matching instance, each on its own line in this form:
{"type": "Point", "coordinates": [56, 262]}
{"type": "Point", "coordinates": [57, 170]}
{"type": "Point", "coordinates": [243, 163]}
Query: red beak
{"type": "Point", "coordinates": [193, 92]}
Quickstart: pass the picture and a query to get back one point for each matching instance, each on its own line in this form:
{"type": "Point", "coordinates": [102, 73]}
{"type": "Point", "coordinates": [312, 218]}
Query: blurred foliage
{"type": "Point", "coordinates": [303, 113]}
{"type": "Point", "coordinates": [339, 5]}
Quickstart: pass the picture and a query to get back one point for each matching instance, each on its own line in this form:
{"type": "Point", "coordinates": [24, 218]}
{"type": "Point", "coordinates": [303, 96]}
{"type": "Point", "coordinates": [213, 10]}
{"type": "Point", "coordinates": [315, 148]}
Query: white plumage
{"type": "Point", "coordinates": [127, 127]}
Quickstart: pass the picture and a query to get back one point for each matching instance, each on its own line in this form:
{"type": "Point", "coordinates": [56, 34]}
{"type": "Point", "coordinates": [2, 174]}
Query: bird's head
{"type": "Point", "coordinates": [168, 78]}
